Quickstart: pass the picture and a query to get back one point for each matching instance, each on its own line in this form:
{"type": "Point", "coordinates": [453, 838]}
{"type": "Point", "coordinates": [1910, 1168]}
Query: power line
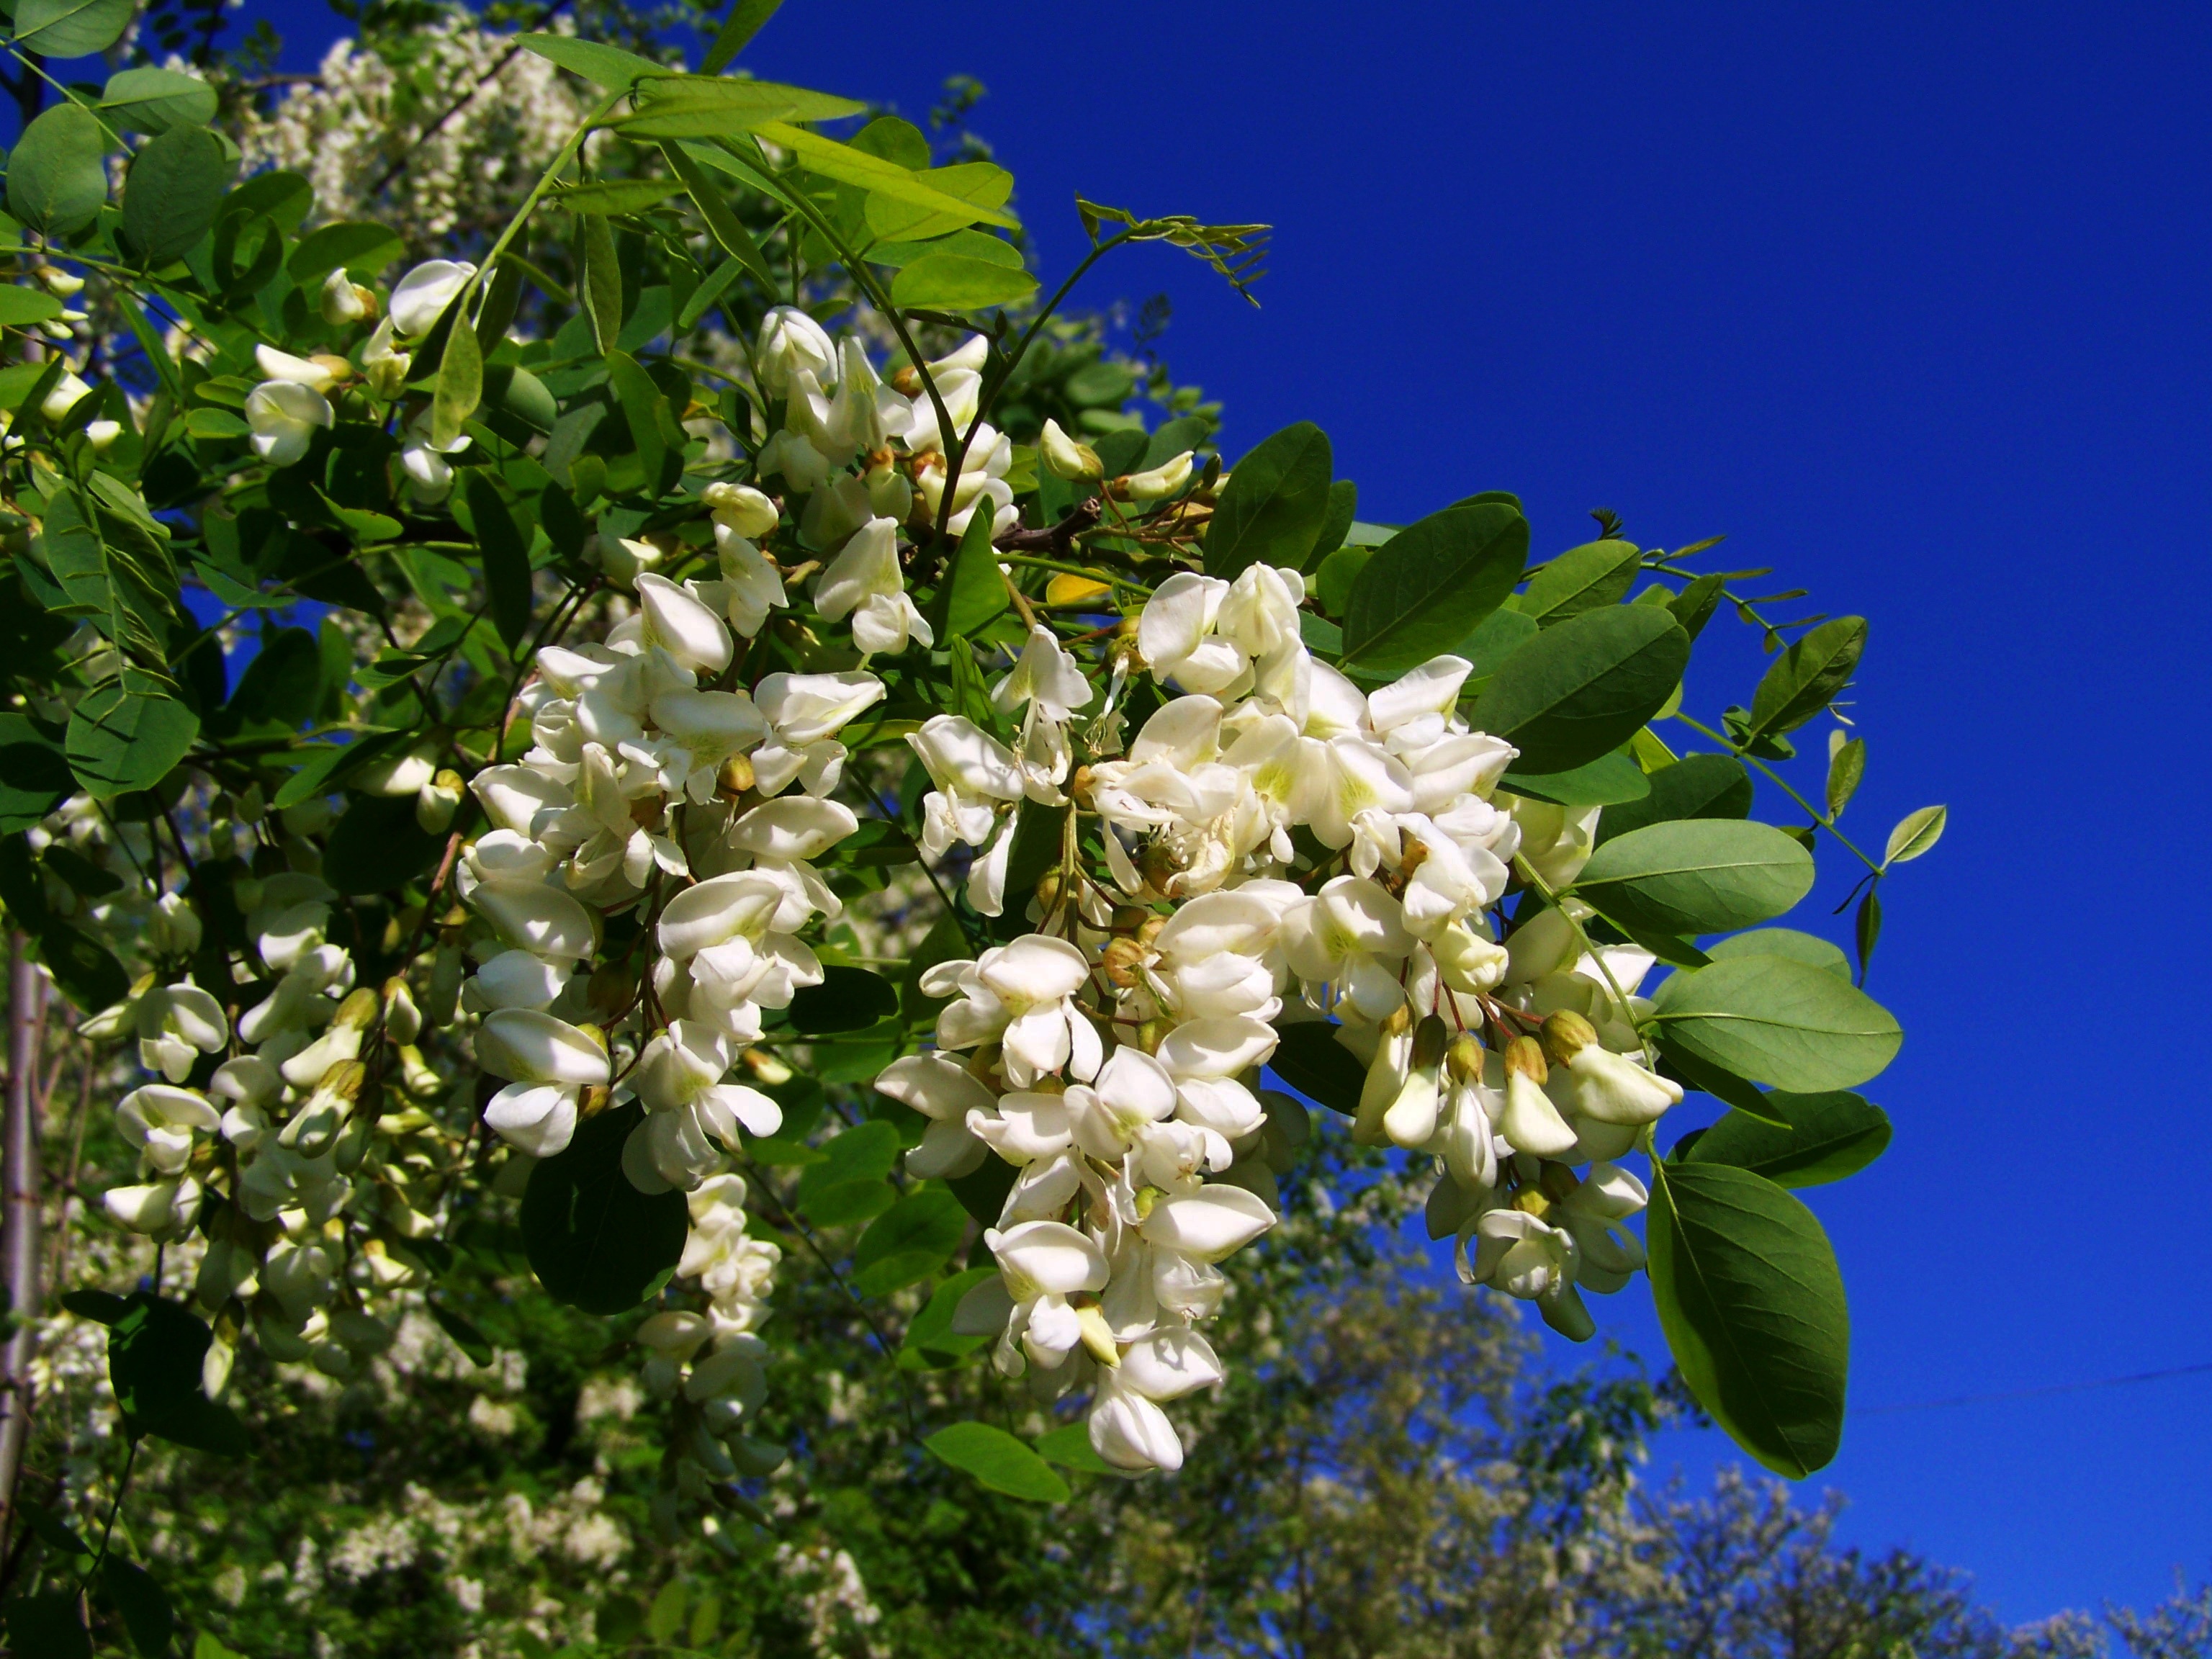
{"type": "Point", "coordinates": [2033, 1393]}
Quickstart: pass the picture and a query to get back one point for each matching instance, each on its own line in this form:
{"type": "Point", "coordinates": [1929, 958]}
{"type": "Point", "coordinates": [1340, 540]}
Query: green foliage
{"type": "Point", "coordinates": [1828, 1137]}
{"type": "Point", "coordinates": [1275, 505]}
{"type": "Point", "coordinates": [1431, 586]}
{"type": "Point", "coordinates": [1779, 1022]}
{"type": "Point", "coordinates": [1753, 1310]}
{"type": "Point", "coordinates": [1584, 687]}
{"type": "Point", "coordinates": [595, 1241]}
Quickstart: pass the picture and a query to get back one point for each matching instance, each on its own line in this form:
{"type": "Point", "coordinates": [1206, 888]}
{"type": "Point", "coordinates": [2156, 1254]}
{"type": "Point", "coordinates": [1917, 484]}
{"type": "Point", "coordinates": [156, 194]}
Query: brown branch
{"type": "Point", "coordinates": [18, 1227]}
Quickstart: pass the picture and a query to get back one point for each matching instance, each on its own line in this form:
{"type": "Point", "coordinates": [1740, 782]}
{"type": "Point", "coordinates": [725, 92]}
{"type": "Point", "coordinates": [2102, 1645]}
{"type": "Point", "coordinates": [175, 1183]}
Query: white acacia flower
{"type": "Point", "coordinates": [422, 295]}
{"type": "Point", "coordinates": [176, 1024]}
{"type": "Point", "coordinates": [282, 415]}
{"type": "Point", "coordinates": [683, 624]}
{"type": "Point", "coordinates": [948, 1096]}
{"type": "Point", "coordinates": [864, 583]}
{"type": "Point", "coordinates": [1021, 995]}
{"type": "Point", "coordinates": [160, 1122]}
{"type": "Point", "coordinates": [790, 339]}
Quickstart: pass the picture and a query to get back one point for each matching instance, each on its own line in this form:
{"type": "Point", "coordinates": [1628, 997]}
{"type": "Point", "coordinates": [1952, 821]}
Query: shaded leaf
{"type": "Point", "coordinates": [594, 1241]}
{"type": "Point", "coordinates": [848, 999]}
{"type": "Point", "coordinates": [120, 740]}
{"type": "Point", "coordinates": [57, 177]}
{"type": "Point", "coordinates": [1754, 1309]}
{"type": "Point", "coordinates": [175, 189]}
{"type": "Point", "coordinates": [998, 1461]}
{"type": "Point", "coordinates": [1582, 689]}
{"type": "Point", "coordinates": [1694, 786]}
{"type": "Point", "coordinates": [1309, 1058]}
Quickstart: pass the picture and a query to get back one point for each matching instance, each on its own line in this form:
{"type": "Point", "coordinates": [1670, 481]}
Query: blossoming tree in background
{"type": "Point", "coordinates": [843, 792]}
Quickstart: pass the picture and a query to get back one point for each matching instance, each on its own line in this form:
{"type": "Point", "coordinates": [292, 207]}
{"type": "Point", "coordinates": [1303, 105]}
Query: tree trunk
{"type": "Point", "coordinates": [19, 1226]}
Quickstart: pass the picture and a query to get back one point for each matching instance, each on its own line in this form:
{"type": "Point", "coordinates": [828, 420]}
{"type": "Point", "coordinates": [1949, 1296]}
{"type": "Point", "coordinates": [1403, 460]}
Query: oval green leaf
{"type": "Point", "coordinates": [960, 282]}
{"type": "Point", "coordinates": [1754, 1308]}
{"type": "Point", "coordinates": [610, 66]}
{"type": "Point", "coordinates": [56, 178]}
{"type": "Point", "coordinates": [1779, 1022]}
{"type": "Point", "coordinates": [1583, 689]}
{"type": "Point", "coordinates": [362, 249]}
{"type": "Point", "coordinates": [712, 106]}
{"type": "Point", "coordinates": [1915, 834]}
{"type": "Point", "coordinates": [616, 195]}
{"type": "Point", "coordinates": [1697, 876]}
{"type": "Point", "coordinates": [908, 1241]}
{"type": "Point", "coordinates": [594, 1241]}
{"type": "Point", "coordinates": [120, 740]}
{"type": "Point", "coordinates": [71, 28]}
{"type": "Point", "coordinates": [998, 1461]}
{"type": "Point", "coordinates": [1581, 579]}
{"type": "Point", "coordinates": [1801, 681]}
{"type": "Point", "coordinates": [378, 847]}
{"type": "Point", "coordinates": [20, 306]}
{"type": "Point", "coordinates": [848, 999]}
{"type": "Point", "coordinates": [1823, 1138]}
{"type": "Point", "coordinates": [175, 189]}
{"type": "Point", "coordinates": [872, 173]}
{"type": "Point", "coordinates": [1431, 586]}
{"type": "Point", "coordinates": [155, 99]}
{"type": "Point", "coordinates": [1309, 1058]}
{"type": "Point", "coordinates": [1807, 948]}
{"type": "Point", "coordinates": [1275, 504]}
{"type": "Point", "coordinates": [1608, 780]}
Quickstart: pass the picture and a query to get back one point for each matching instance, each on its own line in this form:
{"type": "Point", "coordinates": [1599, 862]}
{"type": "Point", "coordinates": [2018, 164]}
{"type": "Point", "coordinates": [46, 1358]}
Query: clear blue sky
{"type": "Point", "coordinates": [1911, 302]}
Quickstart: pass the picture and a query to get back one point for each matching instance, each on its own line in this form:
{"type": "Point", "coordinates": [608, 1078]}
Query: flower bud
{"type": "Point", "coordinates": [1531, 1122]}
{"type": "Point", "coordinates": [60, 283]}
{"type": "Point", "coordinates": [745, 509]}
{"type": "Point", "coordinates": [1464, 1057]}
{"type": "Point", "coordinates": [423, 294]}
{"type": "Point", "coordinates": [1066, 457]}
{"type": "Point", "coordinates": [1155, 483]}
{"type": "Point", "coordinates": [382, 365]}
{"type": "Point", "coordinates": [437, 802]}
{"type": "Point", "coordinates": [344, 301]}
{"type": "Point", "coordinates": [1565, 1034]}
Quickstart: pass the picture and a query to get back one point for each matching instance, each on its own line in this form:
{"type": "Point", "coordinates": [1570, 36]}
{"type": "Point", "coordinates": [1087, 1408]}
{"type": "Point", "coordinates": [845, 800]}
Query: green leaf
{"type": "Point", "coordinates": [960, 282]}
{"type": "Point", "coordinates": [154, 1355]}
{"type": "Point", "coordinates": [1343, 508]}
{"type": "Point", "coordinates": [362, 249]}
{"type": "Point", "coordinates": [1069, 1446]}
{"type": "Point", "coordinates": [175, 187]}
{"type": "Point", "coordinates": [1503, 633]}
{"type": "Point", "coordinates": [1333, 581]}
{"type": "Point", "coordinates": [1309, 1058]}
{"type": "Point", "coordinates": [506, 557]}
{"type": "Point", "coordinates": [998, 1461]}
{"type": "Point", "coordinates": [71, 28]}
{"type": "Point", "coordinates": [848, 1184]}
{"type": "Point", "coordinates": [616, 195]}
{"type": "Point", "coordinates": [1581, 579]}
{"type": "Point", "coordinates": [20, 306]}
{"type": "Point", "coordinates": [35, 773]}
{"type": "Point", "coordinates": [1915, 834]}
{"type": "Point", "coordinates": [1431, 586]}
{"type": "Point", "coordinates": [460, 382]}
{"type": "Point", "coordinates": [1608, 780]}
{"type": "Point", "coordinates": [872, 173]}
{"type": "Point", "coordinates": [983, 1192]}
{"type": "Point", "coordinates": [736, 240]}
{"type": "Point", "coordinates": [1827, 1137]}
{"type": "Point", "coordinates": [217, 424]}
{"type": "Point", "coordinates": [1846, 766]}
{"type": "Point", "coordinates": [1754, 1309]}
{"type": "Point", "coordinates": [711, 106]}
{"type": "Point", "coordinates": [645, 407]}
{"type": "Point", "coordinates": [378, 847]}
{"type": "Point", "coordinates": [1275, 504]}
{"type": "Point", "coordinates": [1866, 929]}
{"type": "Point", "coordinates": [602, 285]}
{"type": "Point", "coordinates": [1694, 605]}
{"type": "Point", "coordinates": [1697, 876]}
{"type": "Point", "coordinates": [1778, 1021]}
{"type": "Point", "coordinates": [977, 185]}
{"type": "Point", "coordinates": [848, 999]}
{"type": "Point", "coordinates": [1583, 689]}
{"type": "Point", "coordinates": [466, 1337]}
{"type": "Point", "coordinates": [594, 1241]}
{"type": "Point", "coordinates": [1801, 682]}
{"type": "Point", "coordinates": [57, 178]}
{"type": "Point", "coordinates": [1694, 786]}
{"type": "Point", "coordinates": [610, 66]}
{"type": "Point", "coordinates": [930, 1343]}
{"type": "Point", "coordinates": [908, 1241]}
{"type": "Point", "coordinates": [283, 683]}
{"type": "Point", "coordinates": [49, 1624]}
{"type": "Point", "coordinates": [1807, 948]}
{"type": "Point", "coordinates": [155, 99]}
{"type": "Point", "coordinates": [123, 740]}
{"type": "Point", "coordinates": [145, 1606]}
{"type": "Point", "coordinates": [745, 20]}
{"type": "Point", "coordinates": [975, 592]}
{"type": "Point", "coordinates": [87, 971]}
